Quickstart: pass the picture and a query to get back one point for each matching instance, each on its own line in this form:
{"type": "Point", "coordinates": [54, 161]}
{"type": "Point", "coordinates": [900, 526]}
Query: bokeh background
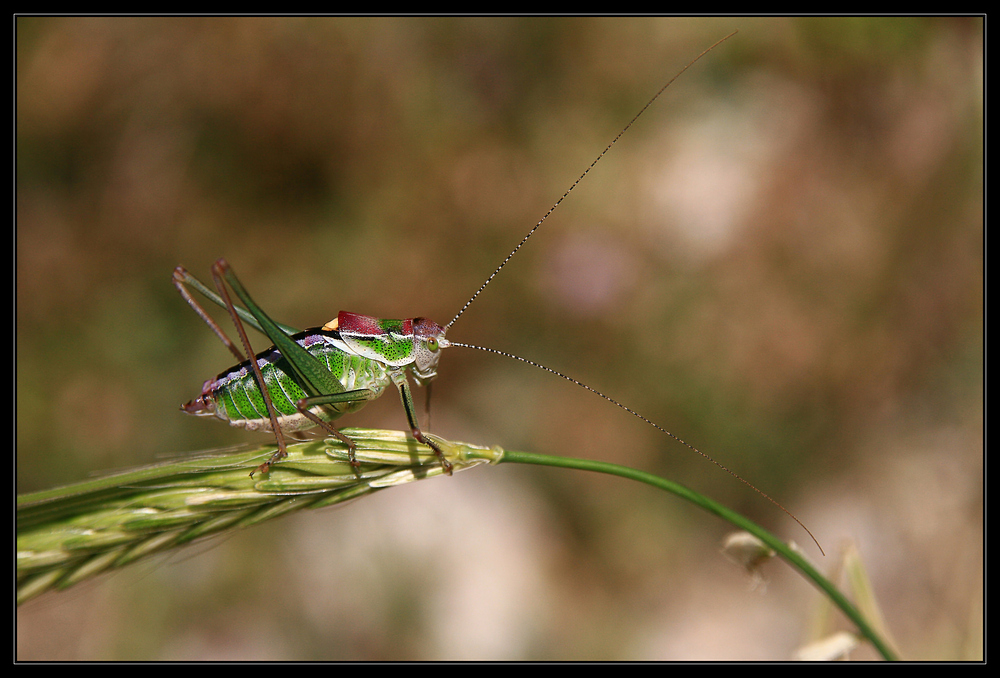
{"type": "Point", "coordinates": [782, 263]}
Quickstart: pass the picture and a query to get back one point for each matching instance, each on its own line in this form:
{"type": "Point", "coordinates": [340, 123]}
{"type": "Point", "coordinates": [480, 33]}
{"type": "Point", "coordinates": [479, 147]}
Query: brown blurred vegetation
{"type": "Point", "coordinates": [782, 263]}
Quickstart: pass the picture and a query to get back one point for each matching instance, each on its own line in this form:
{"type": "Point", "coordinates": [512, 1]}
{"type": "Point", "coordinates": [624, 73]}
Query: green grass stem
{"type": "Point", "coordinates": [72, 533]}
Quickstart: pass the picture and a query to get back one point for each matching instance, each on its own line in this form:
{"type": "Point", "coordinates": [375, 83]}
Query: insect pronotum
{"type": "Point", "coordinates": [310, 378]}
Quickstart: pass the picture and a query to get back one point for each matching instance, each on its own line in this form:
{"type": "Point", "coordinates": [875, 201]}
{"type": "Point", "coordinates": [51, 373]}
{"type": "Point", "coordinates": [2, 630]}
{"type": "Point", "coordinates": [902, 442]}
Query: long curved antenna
{"type": "Point", "coordinates": [654, 425]}
{"type": "Point", "coordinates": [585, 173]}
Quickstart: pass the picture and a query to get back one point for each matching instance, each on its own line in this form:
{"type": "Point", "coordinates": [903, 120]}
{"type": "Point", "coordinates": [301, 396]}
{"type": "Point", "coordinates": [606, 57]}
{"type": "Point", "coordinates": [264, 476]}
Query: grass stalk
{"type": "Point", "coordinates": [72, 533]}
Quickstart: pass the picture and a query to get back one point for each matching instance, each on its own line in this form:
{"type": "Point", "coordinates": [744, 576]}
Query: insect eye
{"type": "Point", "coordinates": [432, 344]}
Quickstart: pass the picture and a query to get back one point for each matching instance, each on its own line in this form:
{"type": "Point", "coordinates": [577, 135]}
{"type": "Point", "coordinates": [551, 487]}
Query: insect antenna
{"type": "Point", "coordinates": [581, 384]}
{"type": "Point", "coordinates": [651, 423]}
{"type": "Point", "coordinates": [580, 178]}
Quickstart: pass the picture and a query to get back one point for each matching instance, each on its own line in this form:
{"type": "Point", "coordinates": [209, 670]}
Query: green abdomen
{"type": "Point", "coordinates": [234, 395]}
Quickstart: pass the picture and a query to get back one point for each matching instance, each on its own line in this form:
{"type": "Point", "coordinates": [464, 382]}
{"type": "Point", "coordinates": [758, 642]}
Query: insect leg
{"type": "Point", "coordinates": [219, 270]}
{"type": "Point", "coordinates": [427, 402]}
{"type": "Point", "coordinates": [403, 384]}
{"type": "Point", "coordinates": [309, 371]}
{"type": "Point", "coordinates": [181, 279]}
{"type": "Point", "coordinates": [330, 399]}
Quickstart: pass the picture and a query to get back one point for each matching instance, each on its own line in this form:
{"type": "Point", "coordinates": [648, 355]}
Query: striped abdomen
{"type": "Point", "coordinates": [234, 396]}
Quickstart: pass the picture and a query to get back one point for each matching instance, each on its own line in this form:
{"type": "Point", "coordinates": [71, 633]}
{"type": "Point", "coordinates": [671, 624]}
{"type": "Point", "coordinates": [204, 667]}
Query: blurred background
{"type": "Point", "coordinates": [781, 262]}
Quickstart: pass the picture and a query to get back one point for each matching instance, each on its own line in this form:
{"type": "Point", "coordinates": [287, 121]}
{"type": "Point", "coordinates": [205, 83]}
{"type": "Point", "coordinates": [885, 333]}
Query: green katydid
{"type": "Point", "coordinates": [310, 378]}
